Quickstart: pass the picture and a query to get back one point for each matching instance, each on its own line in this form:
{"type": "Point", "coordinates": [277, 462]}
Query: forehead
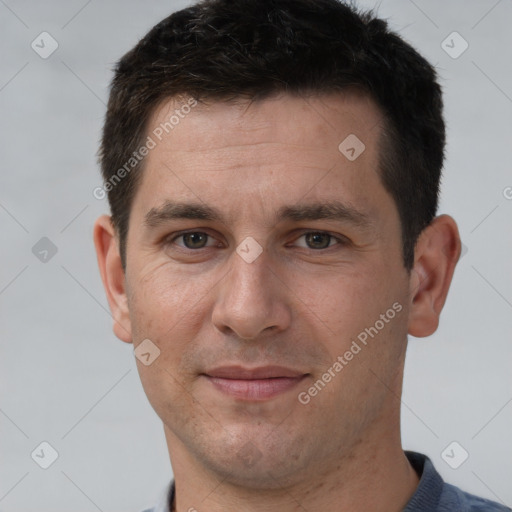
{"type": "Point", "coordinates": [276, 150]}
{"type": "Point", "coordinates": [321, 119]}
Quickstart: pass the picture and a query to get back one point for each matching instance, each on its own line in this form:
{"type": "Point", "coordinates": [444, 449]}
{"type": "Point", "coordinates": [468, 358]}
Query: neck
{"type": "Point", "coordinates": [375, 476]}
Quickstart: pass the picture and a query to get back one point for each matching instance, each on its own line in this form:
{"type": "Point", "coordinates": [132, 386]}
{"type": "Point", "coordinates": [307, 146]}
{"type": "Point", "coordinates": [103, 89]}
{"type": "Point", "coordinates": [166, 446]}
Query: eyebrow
{"type": "Point", "coordinates": [331, 210]}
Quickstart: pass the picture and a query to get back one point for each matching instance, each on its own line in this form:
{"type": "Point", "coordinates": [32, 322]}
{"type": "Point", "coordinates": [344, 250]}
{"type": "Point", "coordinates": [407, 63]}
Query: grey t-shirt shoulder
{"type": "Point", "coordinates": [432, 493]}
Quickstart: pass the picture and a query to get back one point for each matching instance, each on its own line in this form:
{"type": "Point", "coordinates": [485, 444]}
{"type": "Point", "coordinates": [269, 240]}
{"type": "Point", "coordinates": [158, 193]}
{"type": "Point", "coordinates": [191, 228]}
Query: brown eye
{"type": "Point", "coordinates": [318, 240]}
{"type": "Point", "coordinates": [194, 240]}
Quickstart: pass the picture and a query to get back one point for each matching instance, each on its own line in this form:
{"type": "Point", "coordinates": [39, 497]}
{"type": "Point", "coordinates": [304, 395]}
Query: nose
{"type": "Point", "coordinates": [251, 299]}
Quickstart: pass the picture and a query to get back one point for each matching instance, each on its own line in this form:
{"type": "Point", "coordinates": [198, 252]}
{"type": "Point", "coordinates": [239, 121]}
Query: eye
{"type": "Point", "coordinates": [319, 240]}
{"type": "Point", "coordinates": [195, 240]}
{"type": "Point", "coordinates": [192, 240]}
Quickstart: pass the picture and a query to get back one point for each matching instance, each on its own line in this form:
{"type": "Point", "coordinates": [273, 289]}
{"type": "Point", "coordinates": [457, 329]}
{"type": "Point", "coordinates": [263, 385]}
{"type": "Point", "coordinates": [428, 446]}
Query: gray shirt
{"type": "Point", "coordinates": [432, 493]}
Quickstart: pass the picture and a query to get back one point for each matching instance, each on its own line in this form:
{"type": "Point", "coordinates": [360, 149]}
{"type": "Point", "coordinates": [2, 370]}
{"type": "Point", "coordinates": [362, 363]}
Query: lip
{"type": "Point", "coordinates": [256, 384]}
{"type": "Point", "coordinates": [262, 372]}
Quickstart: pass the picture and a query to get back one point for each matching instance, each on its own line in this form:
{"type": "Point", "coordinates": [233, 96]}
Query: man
{"type": "Point", "coordinates": [273, 171]}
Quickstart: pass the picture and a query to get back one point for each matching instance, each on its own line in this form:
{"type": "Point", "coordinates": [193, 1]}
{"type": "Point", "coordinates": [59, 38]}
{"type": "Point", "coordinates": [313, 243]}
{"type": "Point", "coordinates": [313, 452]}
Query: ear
{"type": "Point", "coordinates": [436, 254]}
{"type": "Point", "coordinates": [113, 276]}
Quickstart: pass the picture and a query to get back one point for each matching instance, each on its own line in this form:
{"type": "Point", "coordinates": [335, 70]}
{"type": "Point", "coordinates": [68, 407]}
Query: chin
{"type": "Point", "coordinates": [257, 464]}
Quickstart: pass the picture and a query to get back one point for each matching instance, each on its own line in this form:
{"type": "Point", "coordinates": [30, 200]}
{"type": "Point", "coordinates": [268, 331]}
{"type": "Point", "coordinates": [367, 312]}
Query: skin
{"type": "Point", "coordinates": [295, 305]}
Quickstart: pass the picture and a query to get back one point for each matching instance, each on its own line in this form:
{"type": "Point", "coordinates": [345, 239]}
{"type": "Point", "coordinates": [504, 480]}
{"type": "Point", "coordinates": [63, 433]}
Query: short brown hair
{"type": "Point", "coordinates": [225, 49]}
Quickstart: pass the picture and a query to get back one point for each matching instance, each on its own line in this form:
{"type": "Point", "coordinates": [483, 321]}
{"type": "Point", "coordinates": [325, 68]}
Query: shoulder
{"type": "Point", "coordinates": [434, 494]}
{"type": "Point", "coordinates": [453, 498]}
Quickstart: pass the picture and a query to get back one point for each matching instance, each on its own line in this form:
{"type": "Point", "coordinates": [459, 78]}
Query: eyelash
{"type": "Point", "coordinates": [342, 241]}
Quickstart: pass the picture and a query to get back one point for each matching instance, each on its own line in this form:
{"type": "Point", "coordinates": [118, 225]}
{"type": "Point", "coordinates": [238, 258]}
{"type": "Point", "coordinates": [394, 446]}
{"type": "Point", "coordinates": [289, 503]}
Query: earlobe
{"type": "Point", "coordinates": [113, 276]}
{"type": "Point", "coordinates": [436, 255]}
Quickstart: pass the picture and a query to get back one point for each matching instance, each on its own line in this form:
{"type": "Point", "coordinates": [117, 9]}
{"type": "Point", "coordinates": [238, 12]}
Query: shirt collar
{"type": "Point", "coordinates": [430, 487]}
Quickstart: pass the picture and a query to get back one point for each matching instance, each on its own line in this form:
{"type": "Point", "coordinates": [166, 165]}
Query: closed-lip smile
{"type": "Point", "coordinates": [255, 384]}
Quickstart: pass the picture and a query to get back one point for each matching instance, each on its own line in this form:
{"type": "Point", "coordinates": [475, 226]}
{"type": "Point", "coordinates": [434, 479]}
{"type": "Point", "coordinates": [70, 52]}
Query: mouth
{"type": "Point", "coordinates": [255, 384]}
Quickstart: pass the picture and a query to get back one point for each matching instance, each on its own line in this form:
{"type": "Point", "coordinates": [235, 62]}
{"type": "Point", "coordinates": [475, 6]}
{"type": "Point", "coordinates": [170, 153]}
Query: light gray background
{"type": "Point", "coordinates": [67, 380]}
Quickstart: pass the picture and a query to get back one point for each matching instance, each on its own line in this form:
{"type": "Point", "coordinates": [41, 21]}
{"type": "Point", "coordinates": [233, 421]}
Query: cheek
{"type": "Point", "coordinates": [358, 306]}
{"type": "Point", "coordinates": [167, 306]}
{"type": "Point", "coordinates": [341, 301]}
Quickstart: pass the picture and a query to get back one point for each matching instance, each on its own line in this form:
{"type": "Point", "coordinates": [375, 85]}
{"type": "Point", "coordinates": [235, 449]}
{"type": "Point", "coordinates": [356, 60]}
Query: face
{"type": "Point", "coordinates": [255, 241]}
